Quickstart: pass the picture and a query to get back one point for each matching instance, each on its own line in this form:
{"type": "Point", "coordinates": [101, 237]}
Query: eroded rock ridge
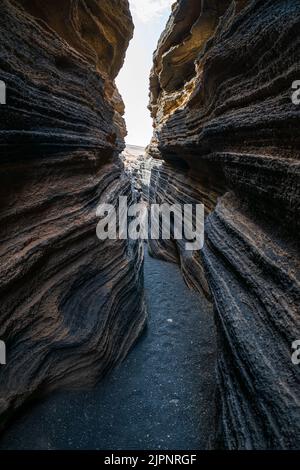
{"type": "Point", "coordinates": [227, 135]}
{"type": "Point", "coordinates": [71, 306]}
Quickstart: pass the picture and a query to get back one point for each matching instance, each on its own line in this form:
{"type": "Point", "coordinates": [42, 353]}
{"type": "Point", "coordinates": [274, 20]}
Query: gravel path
{"type": "Point", "coordinates": [160, 397]}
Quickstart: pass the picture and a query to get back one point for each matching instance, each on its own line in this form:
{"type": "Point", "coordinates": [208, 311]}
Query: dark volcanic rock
{"type": "Point", "coordinates": [71, 306]}
{"type": "Point", "coordinates": [227, 134]}
{"type": "Point", "coordinates": [144, 403]}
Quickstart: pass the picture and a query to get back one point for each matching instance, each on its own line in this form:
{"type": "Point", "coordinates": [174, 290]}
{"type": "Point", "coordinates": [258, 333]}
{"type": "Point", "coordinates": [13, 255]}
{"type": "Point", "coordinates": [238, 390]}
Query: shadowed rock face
{"type": "Point", "coordinates": [71, 306]}
{"type": "Point", "coordinates": [227, 134]}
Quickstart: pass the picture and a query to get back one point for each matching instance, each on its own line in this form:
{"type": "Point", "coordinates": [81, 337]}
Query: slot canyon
{"type": "Point", "coordinates": [166, 348]}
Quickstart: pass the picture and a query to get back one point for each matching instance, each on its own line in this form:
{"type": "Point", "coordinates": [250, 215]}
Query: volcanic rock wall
{"type": "Point", "coordinates": [227, 135]}
{"type": "Point", "coordinates": [71, 306]}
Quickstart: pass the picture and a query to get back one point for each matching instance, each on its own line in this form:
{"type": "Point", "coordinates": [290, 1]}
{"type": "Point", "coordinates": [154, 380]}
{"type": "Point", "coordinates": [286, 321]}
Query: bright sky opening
{"type": "Point", "coordinates": [150, 18]}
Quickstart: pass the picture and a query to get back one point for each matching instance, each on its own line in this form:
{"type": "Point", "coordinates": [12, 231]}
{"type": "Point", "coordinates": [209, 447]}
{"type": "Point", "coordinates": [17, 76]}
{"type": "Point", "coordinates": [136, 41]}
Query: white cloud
{"type": "Point", "coordinates": [146, 10]}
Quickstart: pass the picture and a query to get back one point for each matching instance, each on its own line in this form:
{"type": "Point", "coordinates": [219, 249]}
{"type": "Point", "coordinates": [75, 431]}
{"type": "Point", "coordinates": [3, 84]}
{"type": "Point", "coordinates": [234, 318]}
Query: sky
{"type": "Point", "coordinates": [150, 18]}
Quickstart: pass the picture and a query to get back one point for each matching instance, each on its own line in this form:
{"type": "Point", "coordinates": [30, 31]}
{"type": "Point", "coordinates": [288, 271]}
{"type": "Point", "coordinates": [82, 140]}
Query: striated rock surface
{"type": "Point", "coordinates": [227, 135]}
{"type": "Point", "coordinates": [71, 306]}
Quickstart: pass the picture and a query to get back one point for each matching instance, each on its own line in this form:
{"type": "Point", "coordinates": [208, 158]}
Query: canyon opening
{"type": "Point", "coordinates": [161, 337]}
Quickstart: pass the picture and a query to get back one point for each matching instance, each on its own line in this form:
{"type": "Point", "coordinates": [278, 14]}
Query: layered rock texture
{"type": "Point", "coordinates": [71, 306]}
{"type": "Point", "coordinates": [227, 135]}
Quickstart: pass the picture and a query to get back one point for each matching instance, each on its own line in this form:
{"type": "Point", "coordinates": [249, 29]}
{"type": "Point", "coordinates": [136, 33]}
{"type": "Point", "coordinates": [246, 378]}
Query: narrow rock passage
{"type": "Point", "coordinates": [161, 397]}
